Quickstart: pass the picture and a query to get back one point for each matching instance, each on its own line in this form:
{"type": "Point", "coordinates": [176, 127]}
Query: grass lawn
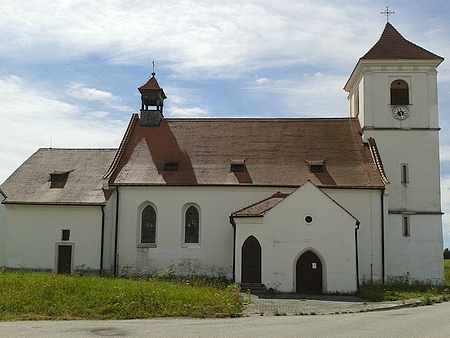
{"type": "Point", "coordinates": [31, 296]}
{"type": "Point", "coordinates": [401, 289]}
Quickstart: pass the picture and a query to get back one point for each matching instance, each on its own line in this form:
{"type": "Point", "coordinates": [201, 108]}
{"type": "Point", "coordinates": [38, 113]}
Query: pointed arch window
{"type": "Point", "coordinates": [399, 92]}
{"type": "Point", "coordinates": [191, 225]}
{"type": "Point", "coordinates": [148, 225]}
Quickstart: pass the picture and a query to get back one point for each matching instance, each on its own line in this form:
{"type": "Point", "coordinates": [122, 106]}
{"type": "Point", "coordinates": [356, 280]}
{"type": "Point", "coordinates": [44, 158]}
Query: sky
{"type": "Point", "coordinates": [70, 69]}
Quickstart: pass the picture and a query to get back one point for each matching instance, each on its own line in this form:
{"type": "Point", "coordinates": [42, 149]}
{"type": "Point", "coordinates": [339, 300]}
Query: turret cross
{"type": "Point", "coordinates": [387, 12]}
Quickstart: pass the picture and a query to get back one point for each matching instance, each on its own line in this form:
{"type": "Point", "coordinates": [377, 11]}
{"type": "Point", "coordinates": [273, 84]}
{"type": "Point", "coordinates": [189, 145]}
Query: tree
{"type": "Point", "coordinates": [446, 253]}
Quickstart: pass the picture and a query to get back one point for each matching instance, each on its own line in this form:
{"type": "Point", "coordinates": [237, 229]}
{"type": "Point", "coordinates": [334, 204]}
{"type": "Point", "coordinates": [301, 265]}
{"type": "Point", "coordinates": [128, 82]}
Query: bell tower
{"type": "Point", "coordinates": [393, 92]}
{"type": "Point", "coordinates": [152, 102]}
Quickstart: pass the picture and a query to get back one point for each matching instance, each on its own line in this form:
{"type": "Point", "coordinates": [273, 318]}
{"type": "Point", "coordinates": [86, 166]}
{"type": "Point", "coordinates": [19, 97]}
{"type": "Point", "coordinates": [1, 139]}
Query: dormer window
{"type": "Point", "coordinates": [316, 167]}
{"type": "Point", "coordinates": [237, 167]}
{"type": "Point", "coordinates": [399, 93]}
{"type": "Point", "coordinates": [239, 171]}
{"type": "Point", "coordinates": [58, 179]}
{"type": "Point", "coordinates": [171, 166]}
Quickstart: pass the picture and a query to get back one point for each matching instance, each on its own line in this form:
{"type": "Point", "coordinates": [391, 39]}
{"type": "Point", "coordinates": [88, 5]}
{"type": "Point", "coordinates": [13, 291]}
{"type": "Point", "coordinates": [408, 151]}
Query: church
{"type": "Point", "coordinates": [307, 205]}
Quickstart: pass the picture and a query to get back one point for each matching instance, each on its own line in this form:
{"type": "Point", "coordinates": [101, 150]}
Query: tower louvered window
{"type": "Point", "coordinates": [399, 93]}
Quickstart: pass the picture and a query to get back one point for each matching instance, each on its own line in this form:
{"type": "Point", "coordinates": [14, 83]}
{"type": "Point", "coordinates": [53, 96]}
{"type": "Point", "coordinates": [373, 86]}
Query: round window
{"type": "Point", "coordinates": [308, 219]}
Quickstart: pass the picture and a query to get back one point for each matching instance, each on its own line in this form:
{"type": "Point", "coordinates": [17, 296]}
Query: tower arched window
{"type": "Point", "coordinates": [191, 225]}
{"type": "Point", "coordinates": [148, 225]}
{"type": "Point", "coordinates": [399, 92]}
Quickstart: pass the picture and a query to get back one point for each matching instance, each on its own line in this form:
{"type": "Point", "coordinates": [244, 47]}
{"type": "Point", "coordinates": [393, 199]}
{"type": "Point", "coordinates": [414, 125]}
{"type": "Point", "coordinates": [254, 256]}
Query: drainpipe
{"type": "Point", "coordinates": [102, 243]}
{"type": "Point", "coordinates": [116, 239]}
{"type": "Point", "coordinates": [357, 259]}
{"type": "Point", "coordinates": [382, 238]}
{"type": "Point", "coordinates": [234, 248]}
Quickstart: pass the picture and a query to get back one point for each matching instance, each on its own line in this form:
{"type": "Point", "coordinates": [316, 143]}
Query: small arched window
{"type": "Point", "coordinates": [191, 225]}
{"type": "Point", "coordinates": [399, 93]}
{"type": "Point", "coordinates": [148, 225]}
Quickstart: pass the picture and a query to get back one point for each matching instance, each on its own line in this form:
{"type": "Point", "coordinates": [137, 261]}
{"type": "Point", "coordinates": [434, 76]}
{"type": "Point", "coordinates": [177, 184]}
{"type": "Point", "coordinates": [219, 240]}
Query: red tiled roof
{"type": "Point", "coordinates": [261, 207]}
{"type": "Point", "coordinates": [275, 152]}
{"type": "Point", "coordinates": [393, 46]}
{"type": "Point", "coordinates": [152, 83]}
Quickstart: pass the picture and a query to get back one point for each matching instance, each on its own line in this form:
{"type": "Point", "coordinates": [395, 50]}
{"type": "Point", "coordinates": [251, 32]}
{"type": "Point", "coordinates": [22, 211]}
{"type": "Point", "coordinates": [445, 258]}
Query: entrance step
{"type": "Point", "coordinates": [255, 288]}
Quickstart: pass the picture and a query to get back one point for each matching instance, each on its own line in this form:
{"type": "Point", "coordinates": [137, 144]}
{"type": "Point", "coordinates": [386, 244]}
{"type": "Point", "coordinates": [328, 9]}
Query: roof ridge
{"type": "Point", "coordinates": [259, 119]}
{"type": "Point", "coordinates": [77, 149]}
{"type": "Point", "coordinates": [121, 149]}
{"type": "Point", "coordinates": [377, 159]}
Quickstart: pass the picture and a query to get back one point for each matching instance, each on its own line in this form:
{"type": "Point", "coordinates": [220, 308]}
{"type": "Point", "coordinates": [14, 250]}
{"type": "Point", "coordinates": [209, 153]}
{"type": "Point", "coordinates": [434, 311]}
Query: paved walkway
{"type": "Point", "coordinates": [295, 304]}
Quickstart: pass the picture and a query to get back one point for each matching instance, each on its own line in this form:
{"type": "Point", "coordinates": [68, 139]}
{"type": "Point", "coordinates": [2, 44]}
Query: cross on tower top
{"type": "Point", "coordinates": [387, 12]}
{"type": "Point", "coordinates": [153, 73]}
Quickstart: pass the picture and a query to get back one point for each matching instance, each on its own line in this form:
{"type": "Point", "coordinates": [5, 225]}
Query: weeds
{"type": "Point", "coordinates": [44, 296]}
{"type": "Point", "coordinates": [278, 313]}
{"type": "Point", "coordinates": [402, 288]}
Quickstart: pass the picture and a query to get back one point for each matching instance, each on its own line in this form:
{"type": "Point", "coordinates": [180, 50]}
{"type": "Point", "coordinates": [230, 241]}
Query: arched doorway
{"type": "Point", "coordinates": [251, 261]}
{"type": "Point", "coordinates": [309, 274]}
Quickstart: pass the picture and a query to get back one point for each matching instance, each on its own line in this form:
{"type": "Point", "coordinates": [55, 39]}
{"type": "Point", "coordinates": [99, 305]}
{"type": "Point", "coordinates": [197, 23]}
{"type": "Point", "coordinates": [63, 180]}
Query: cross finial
{"type": "Point", "coordinates": [387, 12]}
{"type": "Point", "coordinates": [153, 72]}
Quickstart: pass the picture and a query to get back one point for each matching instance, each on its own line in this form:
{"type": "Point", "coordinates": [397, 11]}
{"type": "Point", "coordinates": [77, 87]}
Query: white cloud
{"type": "Point", "coordinates": [41, 120]}
{"type": "Point", "coordinates": [262, 81]}
{"type": "Point", "coordinates": [187, 112]}
{"type": "Point", "coordinates": [80, 92]}
{"type": "Point", "coordinates": [445, 153]}
{"type": "Point", "coordinates": [307, 96]}
{"type": "Point", "coordinates": [445, 193]}
{"type": "Point", "coordinates": [221, 39]}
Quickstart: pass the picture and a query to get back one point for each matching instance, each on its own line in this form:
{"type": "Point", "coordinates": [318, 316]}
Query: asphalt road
{"type": "Point", "coordinates": [424, 321]}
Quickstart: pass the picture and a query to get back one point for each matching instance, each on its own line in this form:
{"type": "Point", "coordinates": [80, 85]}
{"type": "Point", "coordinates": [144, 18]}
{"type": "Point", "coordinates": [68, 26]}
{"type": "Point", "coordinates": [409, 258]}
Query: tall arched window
{"type": "Point", "coordinates": [399, 93]}
{"type": "Point", "coordinates": [191, 225]}
{"type": "Point", "coordinates": [148, 225]}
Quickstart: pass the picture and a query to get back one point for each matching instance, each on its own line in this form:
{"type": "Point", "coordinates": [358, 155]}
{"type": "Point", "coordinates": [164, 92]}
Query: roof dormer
{"type": "Point", "coordinates": [58, 179]}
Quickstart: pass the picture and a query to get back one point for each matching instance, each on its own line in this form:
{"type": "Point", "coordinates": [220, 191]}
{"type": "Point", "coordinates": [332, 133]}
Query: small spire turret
{"type": "Point", "coordinates": [152, 101]}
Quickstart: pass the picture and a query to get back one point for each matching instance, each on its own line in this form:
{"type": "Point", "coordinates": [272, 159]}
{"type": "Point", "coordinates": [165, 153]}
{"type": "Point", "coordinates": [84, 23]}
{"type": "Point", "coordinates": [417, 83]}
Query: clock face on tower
{"type": "Point", "coordinates": [400, 113]}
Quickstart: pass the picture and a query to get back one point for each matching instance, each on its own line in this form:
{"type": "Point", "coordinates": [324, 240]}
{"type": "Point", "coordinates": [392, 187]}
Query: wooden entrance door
{"type": "Point", "coordinates": [309, 274]}
{"type": "Point", "coordinates": [251, 261]}
{"type": "Point", "coordinates": [64, 259]}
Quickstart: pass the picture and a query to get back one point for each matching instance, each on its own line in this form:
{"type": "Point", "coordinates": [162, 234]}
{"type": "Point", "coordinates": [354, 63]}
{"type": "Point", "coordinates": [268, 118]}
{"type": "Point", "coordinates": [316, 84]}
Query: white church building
{"type": "Point", "coordinates": [308, 205]}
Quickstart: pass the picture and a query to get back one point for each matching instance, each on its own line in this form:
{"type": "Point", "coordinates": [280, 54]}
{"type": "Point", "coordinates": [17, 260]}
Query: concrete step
{"type": "Point", "coordinates": [255, 288]}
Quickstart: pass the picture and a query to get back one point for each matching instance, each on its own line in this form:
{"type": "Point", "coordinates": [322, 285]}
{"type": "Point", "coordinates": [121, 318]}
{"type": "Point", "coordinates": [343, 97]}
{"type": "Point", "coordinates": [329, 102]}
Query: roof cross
{"type": "Point", "coordinates": [387, 12]}
{"type": "Point", "coordinates": [153, 73]}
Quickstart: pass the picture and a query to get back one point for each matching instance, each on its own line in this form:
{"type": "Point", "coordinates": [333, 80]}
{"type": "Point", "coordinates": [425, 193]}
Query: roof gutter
{"type": "Point", "coordinates": [233, 224]}
{"type": "Point", "coordinates": [383, 267]}
{"type": "Point", "coordinates": [80, 204]}
{"type": "Point", "coordinates": [116, 239]}
{"type": "Point", "coordinates": [102, 240]}
{"type": "Point", "coordinates": [357, 255]}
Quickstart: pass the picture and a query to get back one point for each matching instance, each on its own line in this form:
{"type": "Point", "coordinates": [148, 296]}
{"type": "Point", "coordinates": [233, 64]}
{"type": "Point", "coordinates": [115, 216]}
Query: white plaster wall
{"type": "Point", "coordinates": [408, 141]}
{"type": "Point", "coordinates": [423, 96]}
{"type": "Point", "coordinates": [284, 237]}
{"type": "Point", "coordinates": [420, 149]}
{"type": "Point", "coordinates": [420, 255]}
{"type": "Point", "coordinates": [109, 236]}
{"type": "Point", "coordinates": [215, 251]}
{"type": "Point", "coordinates": [2, 234]}
{"type": "Point", "coordinates": [365, 205]}
{"type": "Point", "coordinates": [32, 232]}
